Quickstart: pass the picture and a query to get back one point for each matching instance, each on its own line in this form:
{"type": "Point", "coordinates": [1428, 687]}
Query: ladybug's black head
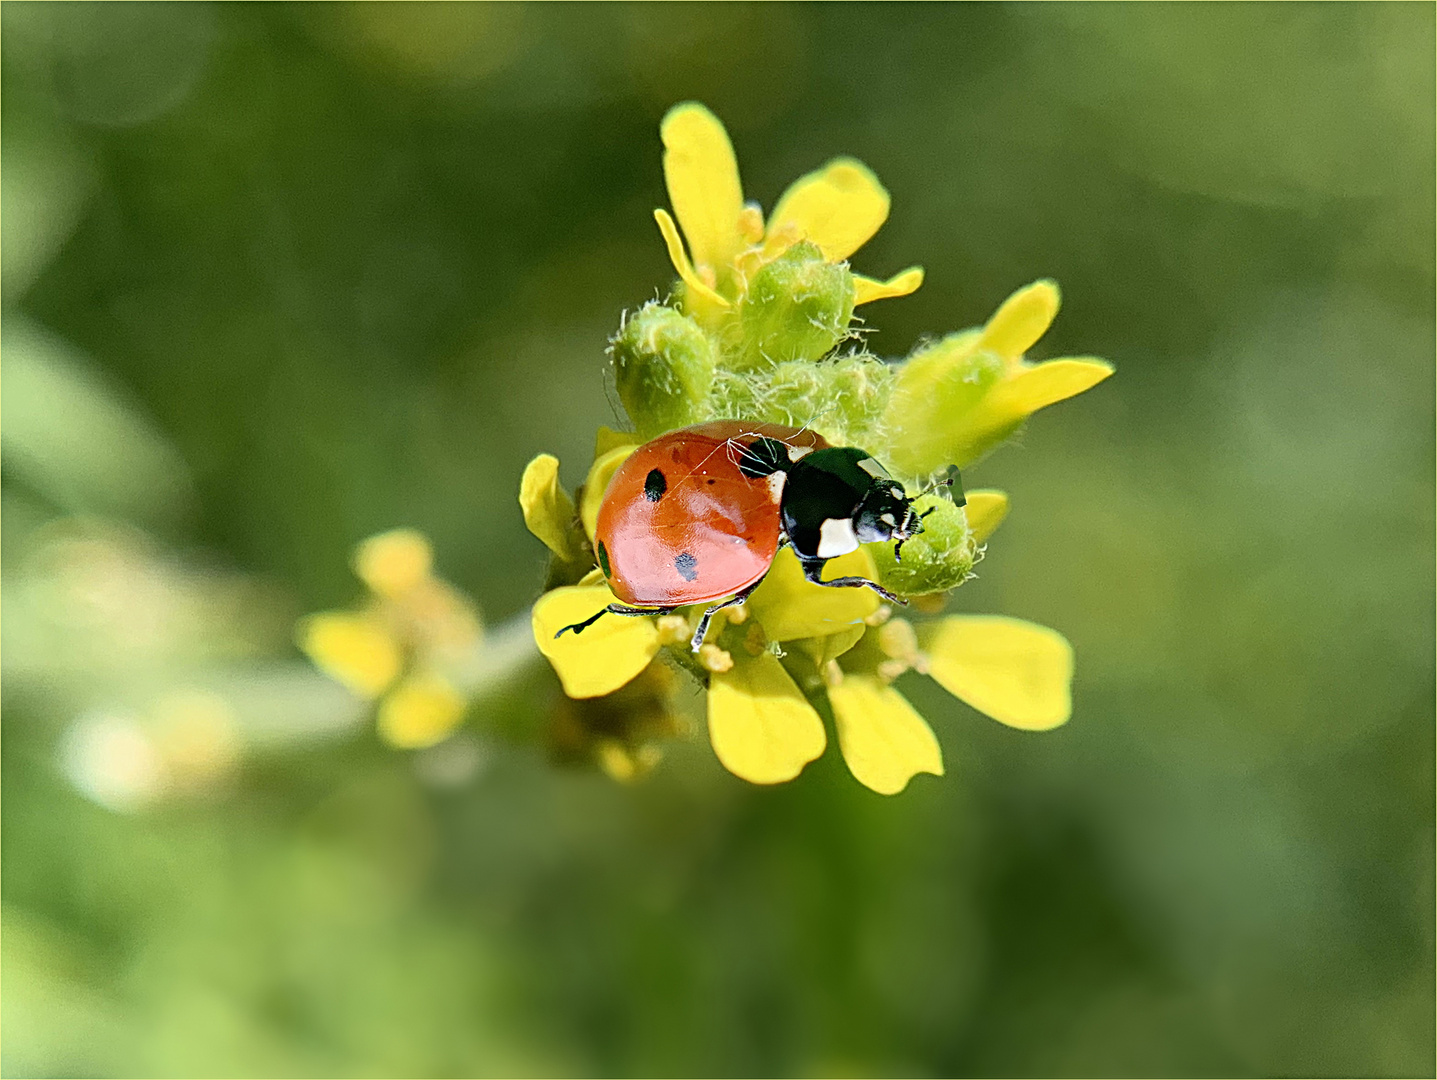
{"type": "Point", "coordinates": [885, 513]}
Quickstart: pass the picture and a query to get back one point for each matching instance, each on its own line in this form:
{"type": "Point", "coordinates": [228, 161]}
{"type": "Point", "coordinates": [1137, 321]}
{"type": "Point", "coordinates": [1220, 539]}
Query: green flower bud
{"type": "Point", "coordinates": [798, 307]}
{"type": "Point", "coordinates": [933, 394]}
{"type": "Point", "coordinates": [937, 559]}
{"type": "Point", "coordinates": [664, 368]}
{"type": "Point", "coordinates": [841, 399]}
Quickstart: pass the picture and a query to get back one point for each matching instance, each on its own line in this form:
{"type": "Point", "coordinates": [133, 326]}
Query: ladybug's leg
{"type": "Point", "coordinates": [614, 609]}
{"type": "Point", "coordinates": [733, 601]}
{"type": "Point", "coordinates": [813, 571]}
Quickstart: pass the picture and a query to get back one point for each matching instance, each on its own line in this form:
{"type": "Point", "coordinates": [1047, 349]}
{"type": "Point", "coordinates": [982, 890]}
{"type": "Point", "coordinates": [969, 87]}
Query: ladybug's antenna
{"type": "Point", "coordinates": [955, 479]}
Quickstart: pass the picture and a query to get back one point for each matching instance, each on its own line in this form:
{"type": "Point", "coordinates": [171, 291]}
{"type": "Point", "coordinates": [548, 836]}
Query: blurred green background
{"type": "Point", "coordinates": [276, 278]}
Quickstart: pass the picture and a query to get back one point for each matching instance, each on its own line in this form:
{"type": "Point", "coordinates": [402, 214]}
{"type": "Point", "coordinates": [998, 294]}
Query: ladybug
{"type": "Point", "coordinates": [697, 516]}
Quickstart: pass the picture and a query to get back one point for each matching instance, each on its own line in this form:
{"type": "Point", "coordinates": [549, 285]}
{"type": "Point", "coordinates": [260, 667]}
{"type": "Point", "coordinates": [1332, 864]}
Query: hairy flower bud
{"type": "Point", "coordinates": [663, 367]}
{"type": "Point", "coordinates": [841, 399]}
{"type": "Point", "coordinates": [797, 307]}
{"type": "Point", "coordinates": [937, 559]}
{"type": "Point", "coordinates": [933, 393]}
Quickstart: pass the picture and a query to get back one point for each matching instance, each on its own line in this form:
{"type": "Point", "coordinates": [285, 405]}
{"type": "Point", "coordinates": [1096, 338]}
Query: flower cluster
{"type": "Point", "coordinates": [760, 328]}
{"type": "Point", "coordinates": [411, 646]}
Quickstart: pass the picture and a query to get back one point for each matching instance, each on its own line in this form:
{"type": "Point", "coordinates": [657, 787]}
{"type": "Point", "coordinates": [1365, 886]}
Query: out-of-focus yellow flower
{"type": "Point", "coordinates": [405, 645]}
{"type": "Point", "coordinates": [355, 648]}
{"type": "Point", "coordinates": [838, 208]}
{"type": "Point", "coordinates": [394, 563]}
{"type": "Point", "coordinates": [422, 710]}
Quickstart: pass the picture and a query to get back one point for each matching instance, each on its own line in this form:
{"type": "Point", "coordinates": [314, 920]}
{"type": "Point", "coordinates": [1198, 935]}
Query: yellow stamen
{"type": "Point", "coordinates": [715, 659]}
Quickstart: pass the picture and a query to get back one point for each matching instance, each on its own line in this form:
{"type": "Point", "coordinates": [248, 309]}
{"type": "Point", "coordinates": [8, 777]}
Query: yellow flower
{"type": "Point", "coordinates": [407, 646]}
{"type": "Point", "coordinates": [964, 394]}
{"type": "Point", "coordinates": [764, 307]}
{"type": "Point", "coordinates": [763, 726]}
{"type": "Point", "coordinates": [838, 208]}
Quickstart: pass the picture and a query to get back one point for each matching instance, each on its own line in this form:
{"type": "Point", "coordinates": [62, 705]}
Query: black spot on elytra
{"type": "Point", "coordinates": [712, 481]}
{"type": "Point", "coordinates": [603, 559]}
{"type": "Point", "coordinates": [655, 485]}
{"type": "Point", "coordinates": [686, 565]}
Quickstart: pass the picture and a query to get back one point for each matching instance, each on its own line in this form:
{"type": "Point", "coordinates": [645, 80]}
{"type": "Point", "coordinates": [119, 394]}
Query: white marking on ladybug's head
{"type": "Point", "coordinates": [836, 537]}
{"type": "Point", "coordinates": [873, 469]}
{"type": "Point", "coordinates": [796, 452]}
{"type": "Point", "coordinates": [775, 480]}
{"type": "Point", "coordinates": [889, 520]}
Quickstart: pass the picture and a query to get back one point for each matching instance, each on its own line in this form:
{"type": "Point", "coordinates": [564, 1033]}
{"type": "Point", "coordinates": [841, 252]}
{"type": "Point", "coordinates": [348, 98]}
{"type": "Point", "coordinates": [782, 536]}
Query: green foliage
{"type": "Point", "coordinates": [939, 558]}
{"type": "Point", "coordinates": [933, 392]}
{"type": "Point", "coordinates": [356, 265]}
{"type": "Point", "coordinates": [798, 307]}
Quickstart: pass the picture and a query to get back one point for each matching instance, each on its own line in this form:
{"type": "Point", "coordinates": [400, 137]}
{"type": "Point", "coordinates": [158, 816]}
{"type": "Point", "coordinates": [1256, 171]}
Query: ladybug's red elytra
{"type": "Point", "coordinates": [696, 516]}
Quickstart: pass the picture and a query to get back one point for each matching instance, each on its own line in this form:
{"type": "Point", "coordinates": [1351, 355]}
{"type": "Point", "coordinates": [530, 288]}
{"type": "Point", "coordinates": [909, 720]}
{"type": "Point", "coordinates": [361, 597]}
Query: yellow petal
{"type": "Point", "coordinates": [839, 208]}
{"type": "Point", "coordinates": [548, 510]}
{"type": "Point", "coordinates": [1011, 401]}
{"type": "Point", "coordinates": [883, 740]}
{"type": "Point", "coordinates": [605, 655]}
{"type": "Point", "coordinates": [354, 649]}
{"type": "Point", "coordinates": [422, 710]}
{"type": "Point", "coordinates": [1045, 384]}
{"type": "Point", "coordinates": [867, 289]}
{"type": "Point", "coordinates": [597, 482]}
{"type": "Point", "coordinates": [1021, 320]}
{"type": "Point", "coordinates": [763, 730]}
{"type": "Point", "coordinates": [681, 262]}
{"type": "Point", "coordinates": [607, 439]}
{"type": "Point", "coordinates": [702, 176]}
{"type": "Point", "coordinates": [933, 393]}
{"type": "Point", "coordinates": [394, 562]}
{"type": "Point", "coordinates": [1017, 672]}
{"type": "Point", "coordinates": [790, 607]}
{"type": "Point", "coordinates": [986, 510]}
